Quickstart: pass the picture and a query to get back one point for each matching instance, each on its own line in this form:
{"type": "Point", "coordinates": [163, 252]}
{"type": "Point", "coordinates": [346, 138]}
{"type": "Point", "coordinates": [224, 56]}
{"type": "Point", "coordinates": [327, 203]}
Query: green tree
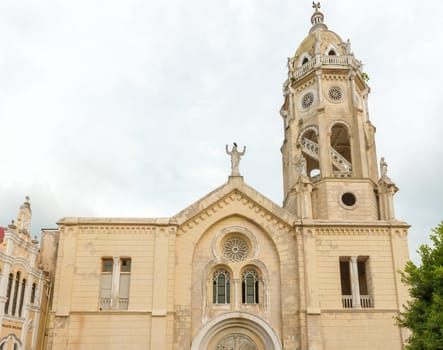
{"type": "Point", "coordinates": [423, 314]}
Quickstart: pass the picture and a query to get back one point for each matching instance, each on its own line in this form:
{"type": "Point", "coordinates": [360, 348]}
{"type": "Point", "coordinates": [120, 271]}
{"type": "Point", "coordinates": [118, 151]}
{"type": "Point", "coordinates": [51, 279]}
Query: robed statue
{"type": "Point", "coordinates": [235, 159]}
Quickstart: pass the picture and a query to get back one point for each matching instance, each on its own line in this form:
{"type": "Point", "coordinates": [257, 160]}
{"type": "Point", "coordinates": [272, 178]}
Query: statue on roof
{"type": "Point", "coordinates": [383, 167]}
{"type": "Point", "coordinates": [235, 159]}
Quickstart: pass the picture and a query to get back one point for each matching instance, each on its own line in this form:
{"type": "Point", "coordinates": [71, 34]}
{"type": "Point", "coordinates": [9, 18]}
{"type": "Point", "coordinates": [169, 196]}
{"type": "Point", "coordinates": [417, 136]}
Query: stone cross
{"type": "Point", "coordinates": [316, 6]}
{"type": "Point", "coordinates": [235, 159]}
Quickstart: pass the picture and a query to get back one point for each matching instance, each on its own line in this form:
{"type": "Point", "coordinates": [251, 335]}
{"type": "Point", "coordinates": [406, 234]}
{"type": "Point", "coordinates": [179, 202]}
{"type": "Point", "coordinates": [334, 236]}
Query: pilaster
{"type": "Point", "coordinates": [160, 291]}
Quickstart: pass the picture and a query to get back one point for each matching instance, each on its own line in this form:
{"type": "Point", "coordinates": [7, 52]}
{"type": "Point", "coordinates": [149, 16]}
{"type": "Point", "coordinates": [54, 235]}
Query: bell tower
{"type": "Point", "coordinates": [330, 167]}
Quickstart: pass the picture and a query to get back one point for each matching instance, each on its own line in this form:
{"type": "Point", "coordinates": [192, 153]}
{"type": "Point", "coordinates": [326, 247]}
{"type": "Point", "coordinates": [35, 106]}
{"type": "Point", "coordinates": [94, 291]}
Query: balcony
{"type": "Point", "coordinates": [324, 60]}
{"type": "Point", "coordinates": [365, 301]}
{"type": "Point", "coordinates": [106, 304]}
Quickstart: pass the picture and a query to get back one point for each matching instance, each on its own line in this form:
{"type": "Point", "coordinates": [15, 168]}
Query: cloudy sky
{"type": "Point", "coordinates": [123, 108]}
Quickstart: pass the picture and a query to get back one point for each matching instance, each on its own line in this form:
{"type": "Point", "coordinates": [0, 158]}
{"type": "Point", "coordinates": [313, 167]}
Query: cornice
{"type": "Point", "coordinates": [239, 197]}
{"type": "Point", "coordinates": [108, 221]}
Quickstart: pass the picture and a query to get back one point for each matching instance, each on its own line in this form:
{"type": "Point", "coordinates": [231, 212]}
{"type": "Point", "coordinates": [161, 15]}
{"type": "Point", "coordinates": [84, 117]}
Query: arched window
{"type": "Point", "coordinates": [22, 297]}
{"type": "Point", "coordinates": [250, 287]}
{"type": "Point", "coordinates": [221, 291]}
{"type": "Point", "coordinates": [14, 301]}
{"type": "Point", "coordinates": [332, 53]}
{"type": "Point", "coordinates": [305, 60]}
{"type": "Point", "coordinates": [34, 286]}
{"type": "Point", "coordinates": [309, 145]}
{"type": "Point", "coordinates": [341, 150]}
{"type": "Point", "coordinates": [8, 293]}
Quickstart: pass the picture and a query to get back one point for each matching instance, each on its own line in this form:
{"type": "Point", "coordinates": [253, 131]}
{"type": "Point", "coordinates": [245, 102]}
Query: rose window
{"type": "Point", "coordinates": [235, 249]}
{"type": "Point", "coordinates": [335, 93]}
{"type": "Point", "coordinates": [307, 100]}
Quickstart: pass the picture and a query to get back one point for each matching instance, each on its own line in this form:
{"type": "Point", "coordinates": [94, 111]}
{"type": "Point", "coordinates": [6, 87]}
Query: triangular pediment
{"type": "Point", "coordinates": [233, 191]}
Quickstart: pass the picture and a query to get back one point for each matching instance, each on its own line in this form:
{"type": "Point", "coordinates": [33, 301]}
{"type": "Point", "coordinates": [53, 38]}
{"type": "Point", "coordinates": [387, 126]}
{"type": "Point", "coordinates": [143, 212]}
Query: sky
{"type": "Point", "coordinates": [123, 108]}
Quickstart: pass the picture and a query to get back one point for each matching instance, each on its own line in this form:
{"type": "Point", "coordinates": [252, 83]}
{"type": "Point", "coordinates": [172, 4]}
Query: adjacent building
{"type": "Point", "coordinates": [23, 286]}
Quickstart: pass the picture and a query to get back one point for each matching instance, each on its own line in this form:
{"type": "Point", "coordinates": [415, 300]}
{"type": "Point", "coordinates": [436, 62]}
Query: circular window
{"type": "Point", "coordinates": [235, 249]}
{"type": "Point", "coordinates": [335, 93]}
{"type": "Point", "coordinates": [307, 100]}
{"type": "Point", "coordinates": [348, 199]}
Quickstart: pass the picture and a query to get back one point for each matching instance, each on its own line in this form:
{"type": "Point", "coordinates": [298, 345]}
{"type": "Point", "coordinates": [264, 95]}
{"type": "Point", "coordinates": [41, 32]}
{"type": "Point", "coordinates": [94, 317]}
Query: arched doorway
{"type": "Point", "coordinates": [236, 331]}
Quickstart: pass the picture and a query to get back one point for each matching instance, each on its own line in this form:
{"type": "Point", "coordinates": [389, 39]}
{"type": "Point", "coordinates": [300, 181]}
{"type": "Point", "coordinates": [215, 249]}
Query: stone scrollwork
{"type": "Point", "coordinates": [236, 342]}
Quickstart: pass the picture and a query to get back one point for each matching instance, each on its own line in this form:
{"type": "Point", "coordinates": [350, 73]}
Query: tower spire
{"type": "Point", "coordinates": [317, 18]}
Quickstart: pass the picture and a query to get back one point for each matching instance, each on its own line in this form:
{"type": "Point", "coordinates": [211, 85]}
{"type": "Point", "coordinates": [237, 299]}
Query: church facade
{"type": "Point", "coordinates": [238, 271]}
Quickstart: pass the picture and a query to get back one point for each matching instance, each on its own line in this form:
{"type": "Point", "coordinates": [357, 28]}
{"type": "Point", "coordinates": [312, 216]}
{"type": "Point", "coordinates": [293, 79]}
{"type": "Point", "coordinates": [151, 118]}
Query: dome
{"type": "Point", "coordinates": [320, 41]}
{"type": "Point", "coordinates": [328, 40]}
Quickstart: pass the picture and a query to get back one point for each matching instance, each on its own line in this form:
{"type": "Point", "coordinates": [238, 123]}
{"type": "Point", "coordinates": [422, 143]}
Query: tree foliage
{"type": "Point", "coordinates": [423, 314]}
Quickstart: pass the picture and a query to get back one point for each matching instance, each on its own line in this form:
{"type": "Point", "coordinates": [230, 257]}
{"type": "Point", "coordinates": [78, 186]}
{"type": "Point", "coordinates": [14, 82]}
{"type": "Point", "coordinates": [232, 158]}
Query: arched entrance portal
{"type": "Point", "coordinates": [236, 331]}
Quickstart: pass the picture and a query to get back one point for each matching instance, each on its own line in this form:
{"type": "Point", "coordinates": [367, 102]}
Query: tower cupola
{"type": "Point", "coordinates": [329, 142]}
{"type": "Point", "coordinates": [317, 19]}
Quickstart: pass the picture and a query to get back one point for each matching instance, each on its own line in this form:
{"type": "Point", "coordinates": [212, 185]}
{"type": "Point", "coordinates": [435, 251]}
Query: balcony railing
{"type": "Point", "coordinates": [346, 301]}
{"type": "Point", "coordinates": [365, 302]}
{"type": "Point", "coordinates": [123, 303]}
{"type": "Point", "coordinates": [324, 60]}
{"type": "Point", "coordinates": [106, 304]}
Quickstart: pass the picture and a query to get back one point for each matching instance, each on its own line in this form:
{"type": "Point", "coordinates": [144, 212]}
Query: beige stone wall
{"type": "Point", "coordinates": [327, 203]}
{"type": "Point", "coordinates": [109, 331]}
{"type": "Point", "coordinates": [366, 330]}
{"type": "Point", "coordinates": [374, 243]}
{"type": "Point", "coordinates": [76, 319]}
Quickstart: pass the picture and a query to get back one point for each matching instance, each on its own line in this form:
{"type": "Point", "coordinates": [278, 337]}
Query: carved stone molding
{"type": "Point", "coordinates": [334, 77]}
{"type": "Point", "coordinates": [305, 85]}
{"type": "Point", "coordinates": [363, 231]}
{"type": "Point", "coordinates": [235, 196]}
{"type": "Point", "coordinates": [236, 342]}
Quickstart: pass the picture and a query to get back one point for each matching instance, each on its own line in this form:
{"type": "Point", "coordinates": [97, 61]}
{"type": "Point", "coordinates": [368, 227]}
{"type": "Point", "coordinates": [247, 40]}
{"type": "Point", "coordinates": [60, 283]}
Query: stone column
{"type": "Point", "coordinates": [39, 299]}
{"type": "Point", "coordinates": [386, 192]}
{"type": "Point", "coordinates": [26, 307]}
{"type": "Point", "coordinates": [313, 312]}
{"type": "Point", "coordinates": [11, 296]}
{"type": "Point", "coordinates": [304, 202]}
{"type": "Point", "coordinates": [17, 305]}
{"type": "Point", "coordinates": [160, 291]}
{"type": "Point", "coordinates": [115, 284]}
{"type": "Point", "coordinates": [319, 84]}
{"type": "Point", "coordinates": [353, 268]}
{"type": "Point", "coordinates": [236, 294]}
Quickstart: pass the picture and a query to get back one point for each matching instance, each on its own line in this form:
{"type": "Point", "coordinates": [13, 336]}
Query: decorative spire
{"type": "Point", "coordinates": [317, 18]}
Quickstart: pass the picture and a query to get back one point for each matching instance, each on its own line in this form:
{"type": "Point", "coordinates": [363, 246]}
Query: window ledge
{"type": "Point", "coordinates": [14, 318]}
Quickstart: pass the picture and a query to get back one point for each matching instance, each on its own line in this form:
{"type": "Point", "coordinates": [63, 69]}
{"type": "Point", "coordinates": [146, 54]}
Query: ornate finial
{"type": "Point", "coordinates": [27, 199]}
{"type": "Point", "coordinates": [12, 225]}
{"type": "Point", "coordinates": [235, 159]}
{"type": "Point", "coordinates": [317, 18]}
